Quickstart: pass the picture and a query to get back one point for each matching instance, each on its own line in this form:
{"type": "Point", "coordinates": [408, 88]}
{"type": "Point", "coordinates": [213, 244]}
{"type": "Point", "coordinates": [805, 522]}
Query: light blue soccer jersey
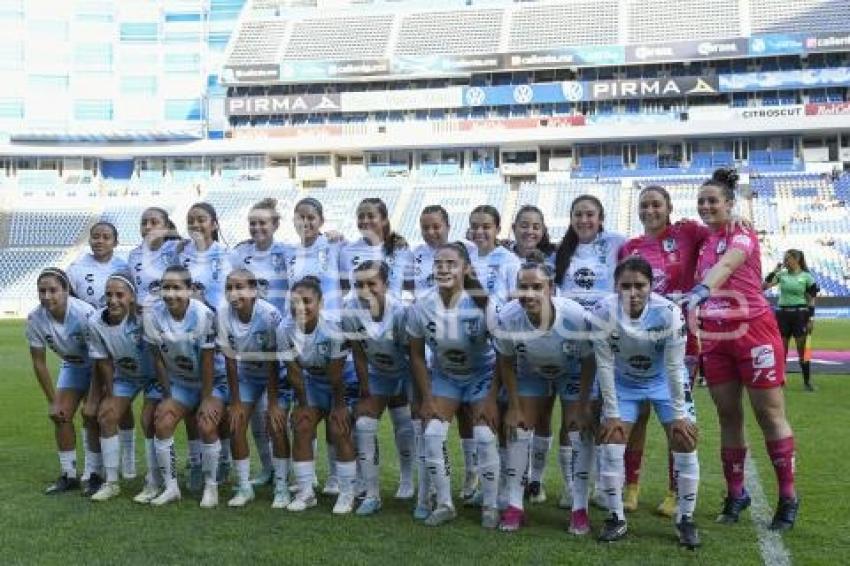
{"type": "Point", "coordinates": [312, 351]}
{"type": "Point", "coordinates": [555, 353]}
{"type": "Point", "coordinates": [457, 338]}
{"type": "Point", "coordinates": [268, 266]}
{"type": "Point", "coordinates": [180, 342]}
{"type": "Point", "coordinates": [400, 263]}
{"type": "Point", "coordinates": [637, 355]}
{"type": "Point", "coordinates": [146, 267]}
{"type": "Point", "coordinates": [321, 260]}
{"type": "Point", "coordinates": [253, 343]}
{"type": "Point", "coordinates": [385, 342]}
{"type": "Point", "coordinates": [209, 269]}
{"type": "Point", "coordinates": [590, 275]}
{"type": "Point", "coordinates": [67, 338]}
{"type": "Point", "coordinates": [123, 344]}
{"type": "Point", "coordinates": [497, 272]}
{"type": "Point", "coordinates": [88, 277]}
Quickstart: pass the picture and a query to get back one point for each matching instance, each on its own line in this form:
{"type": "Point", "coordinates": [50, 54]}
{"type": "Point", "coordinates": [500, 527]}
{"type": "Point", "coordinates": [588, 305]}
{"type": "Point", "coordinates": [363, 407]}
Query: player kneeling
{"type": "Point", "coordinates": [639, 341]}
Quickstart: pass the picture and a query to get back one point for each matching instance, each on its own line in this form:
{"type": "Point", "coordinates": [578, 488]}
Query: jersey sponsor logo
{"type": "Point", "coordinates": [742, 239]}
{"type": "Point", "coordinates": [383, 360]}
{"type": "Point", "coordinates": [456, 357]}
{"type": "Point", "coordinates": [129, 365]}
{"type": "Point", "coordinates": [584, 278]}
{"type": "Point", "coordinates": [640, 362]}
{"type": "Point", "coordinates": [763, 357]}
{"type": "Point", "coordinates": [184, 363]}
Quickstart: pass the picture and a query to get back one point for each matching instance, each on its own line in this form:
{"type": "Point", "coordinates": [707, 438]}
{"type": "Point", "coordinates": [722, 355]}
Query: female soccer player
{"type": "Point", "coordinates": [314, 350]}
{"type": "Point", "coordinates": [246, 336]}
{"type": "Point", "coordinates": [495, 265]}
{"type": "Point", "coordinates": [266, 259]}
{"type": "Point", "coordinates": [796, 314]}
{"type": "Point", "coordinates": [671, 249]}
{"type": "Point", "coordinates": [379, 242]}
{"type": "Point", "coordinates": [182, 333]}
{"type": "Point", "coordinates": [584, 271]}
{"type": "Point", "coordinates": [125, 368]}
{"type": "Point", "coordinates": [531, 234]}
{"type": "Point", "coordinates": [434, 226]}
{"type": "Point", "coordinates": [375, 323]}
{"type": "Point", "coordinates": [639, 342]}
{"type": "Point", "coordinates": [60, 323]}
{"type": "Point", "coordinates": [206, 258]}
{"type": "Point", "coordinates": [316, 255]}
{"type": "Point", "coordinates": [452, 319]}
{"type": "Point", "coordinates": [543, 352]}
{"type": "Point", "coordinates": [157, 251]}
{"type": "Point", "coordinates": [740, 349]}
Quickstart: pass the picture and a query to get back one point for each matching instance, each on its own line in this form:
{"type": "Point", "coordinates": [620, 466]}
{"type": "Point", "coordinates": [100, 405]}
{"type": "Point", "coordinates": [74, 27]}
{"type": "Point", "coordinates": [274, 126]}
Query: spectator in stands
{"type": "Point", "coordinates": [584, 271]}
{"type": "Point", "coordinates": [60, 323]}
{"type": "Point", "coordinates": [740, 344]}
{"type": "Point", "coordinates": [796, 312]}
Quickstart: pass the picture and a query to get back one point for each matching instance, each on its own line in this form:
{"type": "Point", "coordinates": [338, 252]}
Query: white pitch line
{"type": "Point", "coordinates": [773, 550]}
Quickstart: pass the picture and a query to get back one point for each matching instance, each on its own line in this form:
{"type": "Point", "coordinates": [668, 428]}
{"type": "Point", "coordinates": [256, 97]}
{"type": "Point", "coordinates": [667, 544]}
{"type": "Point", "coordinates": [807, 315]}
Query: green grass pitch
{"type": "Point", "coordinates": [35, 529]}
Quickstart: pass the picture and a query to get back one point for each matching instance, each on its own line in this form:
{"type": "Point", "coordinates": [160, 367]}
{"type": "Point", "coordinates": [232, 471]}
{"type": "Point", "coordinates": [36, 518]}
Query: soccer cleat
{"type": "Point", "coordinates": [91, 485]}
{"type": "Point", "coordinates": [786, 514]}
{"type": "Point", "coordinates": [265, 477]}
{"type": "Point", "coordinates": [566, 500]}
{"type": "Point", "coordinates": [668, 507]}
{"type": "Point", "coordinates": [210, 497]}
{"type": "Point", "coordinates": [244, 495]}
{"type": "Point", "coordinates": [195, 482]}
{"type": "Point", "coordinates": [344, 504]}
{"type": "Point", "coordinates": [470, 487]}
{"type": "Point", "coordinates": [107, 491]}
{"type": "Point", "coordinates": [331, 486]}
{"type": "Point", "coordinates": [535, 492]}
{"type": "Point", "coordinates": [302, 501]}
{"type": "Point", "coordinates": [613, 529]}
{"type": "Point", "coordinates": [512, 519]}
{"type": "Point", "coordinates": [579, 522]}
{"type": "Point", "coordinates": [405, 490]}
{"type": "Point", "coordinates": [61, 485]}
{"type": "Point", "coordinates": [809, 387]}
{"type": "Point", "coordinates": [370, 506]}
{"type": "Point", "coordinates": [147, 495]}
{"type": "Point", "coordinates": [490, 517]}
{"type": "Point", "coordinates": [475, 499]}
{"type": "Point", "coordinates": [442, 514]}
{"type": "Point", "coordinates": [169, 494]}
{"type": "Point", "coordinates": [630, 497]}
{"type": "Point", "coordinates": [688, 534]}
{"type": "Point", "coordinates": [732, 507]}
{"type": "Point", "coordinates": [281, 497]}
{"type": "Point", "coordinates": [421, 512]}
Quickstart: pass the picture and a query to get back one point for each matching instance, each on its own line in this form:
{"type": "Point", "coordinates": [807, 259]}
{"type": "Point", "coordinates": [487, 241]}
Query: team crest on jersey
{"type": "Point", "coordinates": [323, 259]}
{"type": "Point", "coordinates": [355, 260]}
{"type": "Point", "coordinates": [323, 348]}
{"type": "Point", "coordinates": [721, 246]}
{"type": "Point", "coordinates": [601, 248]}
{"type": "Point", "coordinates": [278, 262]}
{"type": "Point", "coordinates": [492, 273]}
{"type": "Point", "coordinates": [261, 338]}
{"type": "Point", "coordinates": [262, 287]}
{"type": "Point", "coordinates": [669, 245]}
{"type": "Point", "coordinates": [472, 326]}
{"type": "Point", "coordinates": [584, 278]}
{"type": "Point", "coordinates": [216, 268]}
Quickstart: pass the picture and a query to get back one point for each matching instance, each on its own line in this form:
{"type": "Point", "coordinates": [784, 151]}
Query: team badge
{"type": "Point", "coordinates": [472, 326]}
{"type": "Point", "coordinates": [721, 246]}
{"type": "Point", "coordinates": [669, 245]}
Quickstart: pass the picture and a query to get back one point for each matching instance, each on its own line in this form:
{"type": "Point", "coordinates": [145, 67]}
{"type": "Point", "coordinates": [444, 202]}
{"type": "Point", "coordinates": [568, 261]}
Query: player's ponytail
{"type": "Point", "coordinates": [725, 179]}
{"type": "Point", "coordinates": [270, 205]}
{"type": "Point", "coordinates": [569, 242]}
{"type": "Point", "coordinates": [390, 239]}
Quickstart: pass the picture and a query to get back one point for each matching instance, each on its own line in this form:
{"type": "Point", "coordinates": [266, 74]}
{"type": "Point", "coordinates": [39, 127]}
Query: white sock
{"type": "Point", "coordinates": [582, 454]}
{"type": "Point", "coordinates": [304, 474]}
{"type": "Point", "coordinates": [612, 472]}
{"type": "Point", "coordinates": [368, 455]}
{"type": "Point", "coordinates": [517, 460]}
{"type": "Point", "coordinates": [686, 472]}
{"type": "Point", "coordinates": [68, 463]}
{"type": "Point", "coordinates": [421, 465]}
{"type": "Point", "coordinates": [470, 462]}
{"type": "Point", "coordinates": [165, 458]}
{"type": "Point", "coordinates": [195, 453]}
{"type": "Point", "coordinates": [281, 470]}
{"type": "Point", "coordinates": [347, 476]}
{"type": "Point", "coordinates": [565, 464]}
{"type": "Point", "coordinates": [332, 471]}
{"type": "Point", "coordinates": [153, 477]}
{"type": "Point", "coordinates": [261, 437]}
{"type": "Point", "coordinates": [128, 448]}
{"type": "Point", "coordinates": [243, 472]}
{"type": "Point", "coordinates": [111, 449]}
{"type": "Point", "coordinates": [540, 446]}
{"type": "Point", "coordinates": [434, 440]}
{"type": "Point", "coordinates": [210, 457]}
{"type": "Point", "coordinates": [404, 442]}
{"type": "Point", "coordinates": [488, 464]}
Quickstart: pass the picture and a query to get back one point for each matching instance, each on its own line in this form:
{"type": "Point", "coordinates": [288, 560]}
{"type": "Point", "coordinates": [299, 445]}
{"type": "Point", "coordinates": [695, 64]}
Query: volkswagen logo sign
{"type": "Point", "coordinates": [523, 94]}
{"type": "Point", "coordinates": [573, 91]}
{"type": "Point", "coordinates": [475, 96]}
